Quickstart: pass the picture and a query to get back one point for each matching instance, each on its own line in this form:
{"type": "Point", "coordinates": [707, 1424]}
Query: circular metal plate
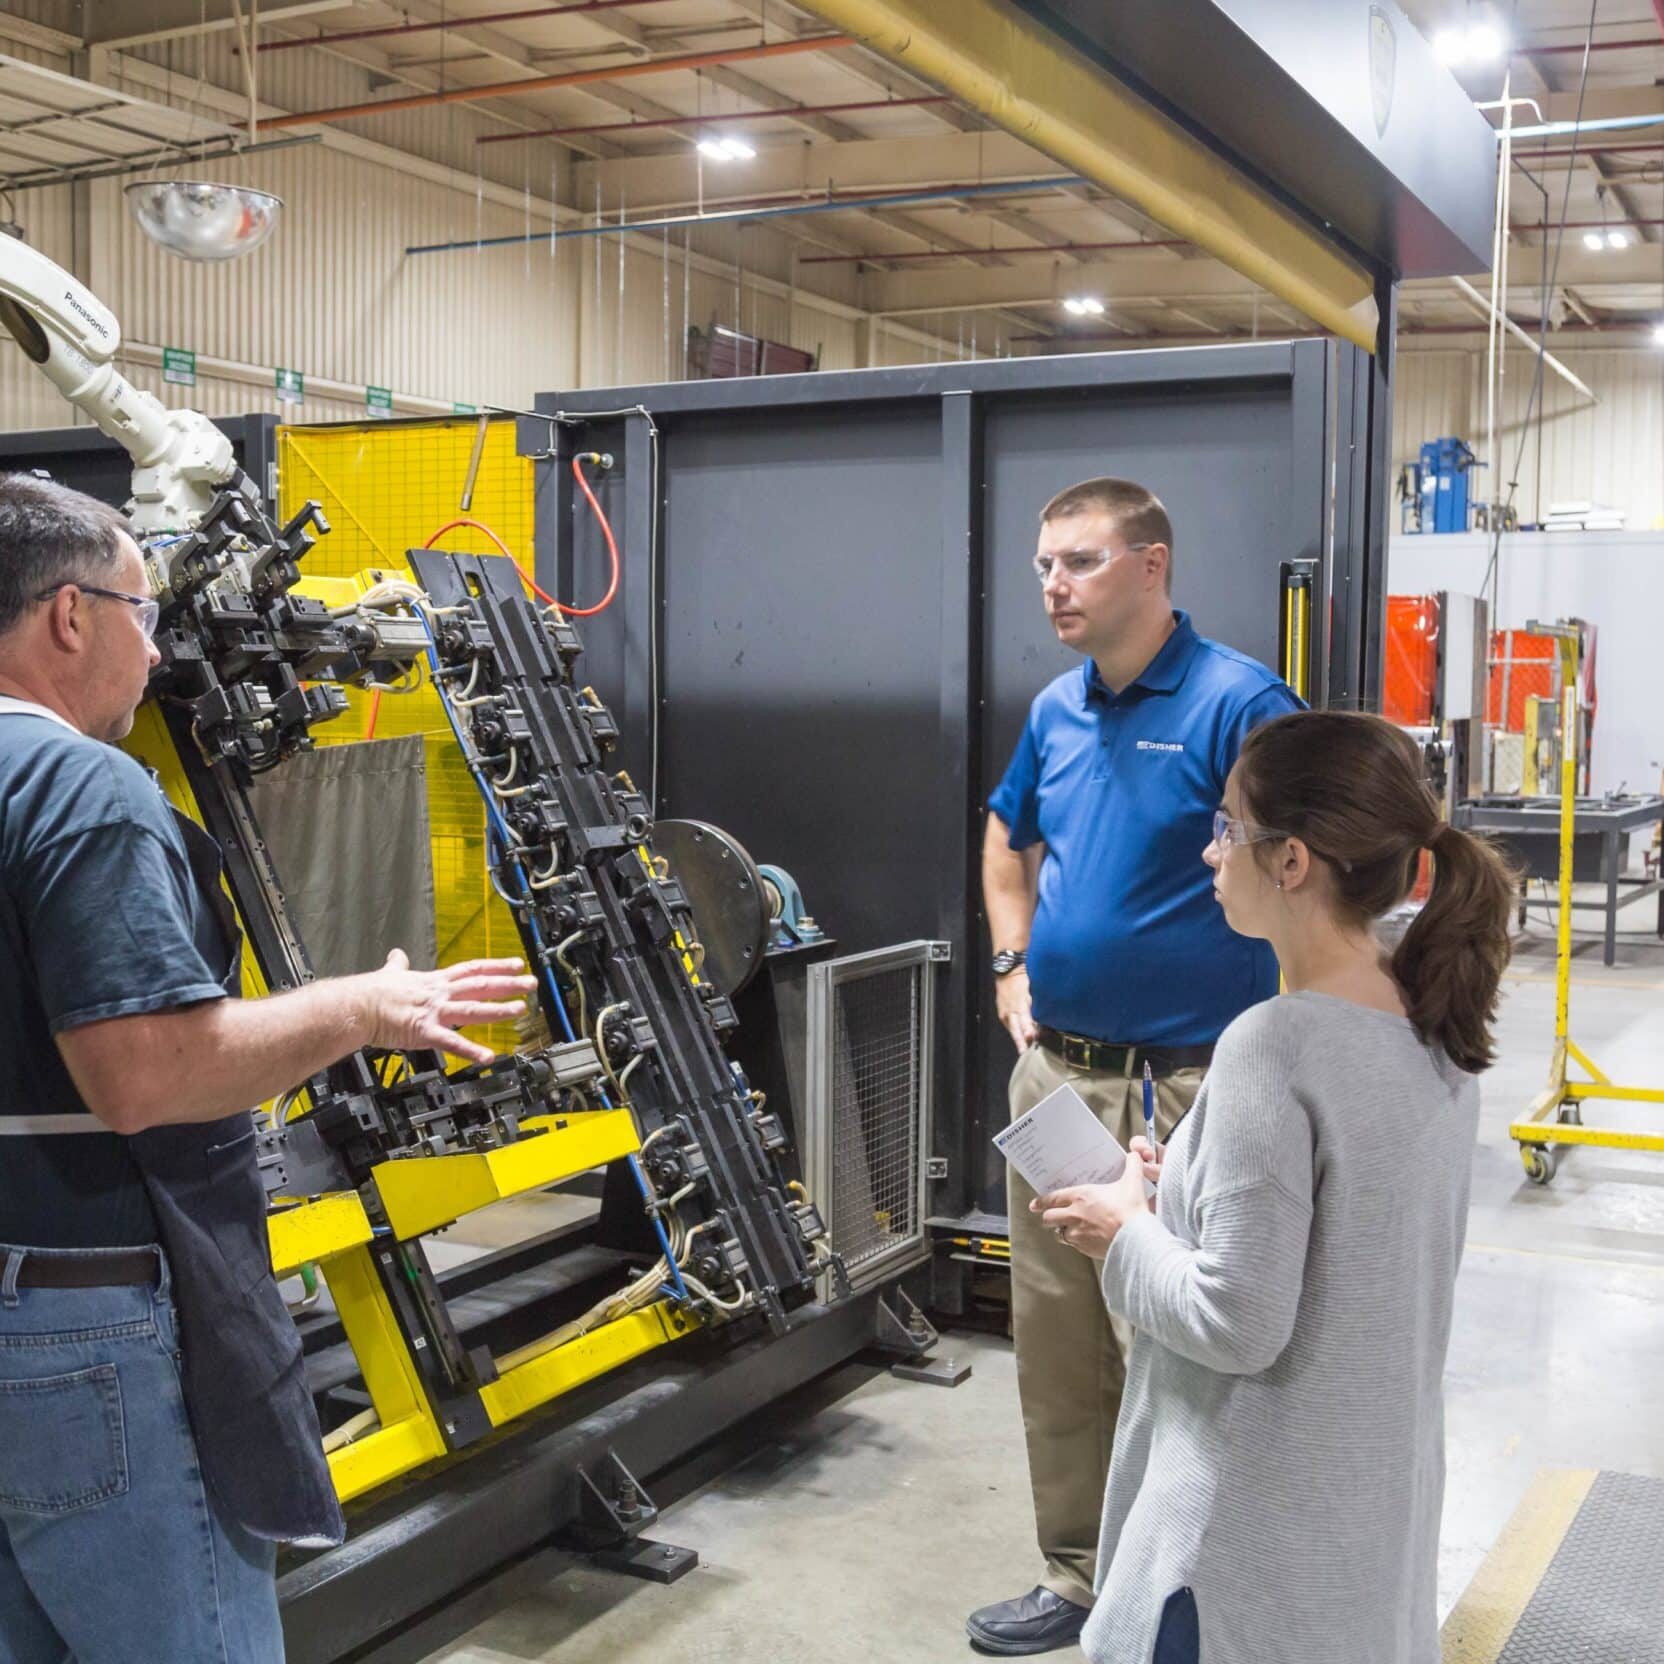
{"type": "Point", "coordinates": [730, 904]}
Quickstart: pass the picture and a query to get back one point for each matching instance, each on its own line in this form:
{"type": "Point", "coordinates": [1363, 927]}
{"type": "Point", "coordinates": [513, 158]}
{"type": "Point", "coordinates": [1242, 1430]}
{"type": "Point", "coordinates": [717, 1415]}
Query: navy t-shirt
{"type": "Point", "coordinates": [1128, 943]}
{"type": "Point", "coordinates": [99, 917]}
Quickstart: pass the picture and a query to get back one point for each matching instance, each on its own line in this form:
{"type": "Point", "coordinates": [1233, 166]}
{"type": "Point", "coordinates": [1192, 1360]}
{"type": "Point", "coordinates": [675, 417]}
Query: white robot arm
{"type": "Point", "coordinates": [179, 457]}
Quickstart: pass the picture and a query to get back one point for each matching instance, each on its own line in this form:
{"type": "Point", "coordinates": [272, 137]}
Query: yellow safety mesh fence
{"type": "Point", "coordinates": [386, 488]}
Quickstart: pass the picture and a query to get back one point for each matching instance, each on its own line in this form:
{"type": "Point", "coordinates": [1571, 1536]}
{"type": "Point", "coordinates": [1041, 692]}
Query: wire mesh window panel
{"type": "Point", "coordinates": [871, 1036]}
{"type": "Point", "coordinates": [875, 1113]}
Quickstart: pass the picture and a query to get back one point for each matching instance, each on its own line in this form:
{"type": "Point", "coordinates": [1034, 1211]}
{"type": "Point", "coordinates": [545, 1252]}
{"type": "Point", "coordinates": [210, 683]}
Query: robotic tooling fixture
{"type": "Point", "coordinates": [368, 1157]}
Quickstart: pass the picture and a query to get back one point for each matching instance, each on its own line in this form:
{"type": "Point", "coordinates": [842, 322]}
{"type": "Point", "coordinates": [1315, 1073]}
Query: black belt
{"type": "Point", "coordinates": [1081, 1053]}
{"type": "Point", "coordinates": [97, 1268]}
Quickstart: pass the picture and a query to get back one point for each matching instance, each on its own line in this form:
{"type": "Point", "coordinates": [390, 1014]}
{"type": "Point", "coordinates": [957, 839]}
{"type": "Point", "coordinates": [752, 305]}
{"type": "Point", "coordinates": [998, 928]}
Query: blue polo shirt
{"type": "Point", "coordinates": [1128, 943]}
{"type": "Point", "coordinates": [99, 917]}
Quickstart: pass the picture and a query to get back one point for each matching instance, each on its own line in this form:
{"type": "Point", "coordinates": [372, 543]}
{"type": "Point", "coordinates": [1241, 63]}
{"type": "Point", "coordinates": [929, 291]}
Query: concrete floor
{"type": "Point", "coordinates": [865, 1532]}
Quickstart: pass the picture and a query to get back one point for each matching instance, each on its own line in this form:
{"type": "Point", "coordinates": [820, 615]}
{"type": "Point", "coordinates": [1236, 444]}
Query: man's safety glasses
{"type": "Point", "coordinates": [148, 610]}
{"type": "Point", "coordinates": [1079, 563]}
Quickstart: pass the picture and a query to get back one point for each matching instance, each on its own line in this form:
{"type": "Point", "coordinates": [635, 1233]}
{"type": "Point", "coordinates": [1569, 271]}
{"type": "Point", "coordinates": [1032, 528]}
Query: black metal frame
{"type": "Point", "coordinates": [1341, 413]}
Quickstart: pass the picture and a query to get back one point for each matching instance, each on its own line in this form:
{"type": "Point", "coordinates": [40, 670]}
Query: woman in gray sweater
{"type": "Point", "coordinates": [1278, 1470]}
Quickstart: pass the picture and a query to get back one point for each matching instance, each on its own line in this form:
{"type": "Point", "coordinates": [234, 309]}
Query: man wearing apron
{"type": "Point", "coordinates": [157, 1440]}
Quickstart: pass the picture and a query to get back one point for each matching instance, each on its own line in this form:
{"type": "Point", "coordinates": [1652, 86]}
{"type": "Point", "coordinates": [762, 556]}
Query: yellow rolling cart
{"type": "Point", "coordinates": [1555, 1119]}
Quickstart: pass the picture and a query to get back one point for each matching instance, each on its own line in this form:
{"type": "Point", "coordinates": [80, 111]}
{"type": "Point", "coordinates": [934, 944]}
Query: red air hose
{"type": "Point", "coordinates": [479, 526]}
{"type": "Point", "coordinates": [606, 531]}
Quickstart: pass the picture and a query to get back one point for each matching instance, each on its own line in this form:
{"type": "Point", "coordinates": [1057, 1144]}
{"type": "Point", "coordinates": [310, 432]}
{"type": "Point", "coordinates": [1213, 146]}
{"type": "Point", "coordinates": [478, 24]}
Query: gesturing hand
{"type": "Point", "coordinates": [421, 1010]}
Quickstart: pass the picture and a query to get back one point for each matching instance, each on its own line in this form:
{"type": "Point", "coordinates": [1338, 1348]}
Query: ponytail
{"type": "Point", "coordinates": [1354, 789]}
{"type": "Point", "coordinates": [1450, 962]}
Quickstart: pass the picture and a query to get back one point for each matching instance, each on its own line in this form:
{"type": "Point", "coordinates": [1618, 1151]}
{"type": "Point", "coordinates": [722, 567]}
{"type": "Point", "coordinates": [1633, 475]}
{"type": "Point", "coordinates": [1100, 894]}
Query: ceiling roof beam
{"type": "Point", "coordinates": [853, 164]}
{"type": "Point", "coordinates": [1070, 253]}
{"type": "Point", "coordinates": [435, 25]}
{"type": "Point", "coordinates": [412, 74]}
{"type": "Point", "coordinates": [1599, 104]}
{"type": "Point", "coordinates": [869, 66]}
{"type": "Point", "coordinates": [730, 118]}
{"type": "Point", "coordinates": [746, 86]}
{"type": "Point", "coordinates": [147, 22]}
{"type": "Point", "coordinates": [1200, 282]}
{"type": "Point", "coordinates": [541, 83]}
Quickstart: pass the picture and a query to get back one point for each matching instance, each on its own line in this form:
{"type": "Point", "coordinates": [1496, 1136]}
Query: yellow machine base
{"type": "Point", "coordinates": [422, 1193]}
{"type": "Point", "coordinates": [316, 1230]}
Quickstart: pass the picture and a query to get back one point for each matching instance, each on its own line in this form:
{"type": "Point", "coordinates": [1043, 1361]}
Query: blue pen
{"type": "Point", "coordinates": [1150, 1112]}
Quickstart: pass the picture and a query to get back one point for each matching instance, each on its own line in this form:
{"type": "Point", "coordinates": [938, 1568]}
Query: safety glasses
{"type": "Point", "coordinates": [147, 609]}
{"type": "Point", "coordinates": [1228, 833]}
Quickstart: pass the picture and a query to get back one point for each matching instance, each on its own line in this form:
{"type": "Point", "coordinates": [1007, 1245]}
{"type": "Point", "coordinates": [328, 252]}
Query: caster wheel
{"type": "Point", "coordinates": [1571, 1115]}
{"type": "Point", "coordinates": [1539, 1161]}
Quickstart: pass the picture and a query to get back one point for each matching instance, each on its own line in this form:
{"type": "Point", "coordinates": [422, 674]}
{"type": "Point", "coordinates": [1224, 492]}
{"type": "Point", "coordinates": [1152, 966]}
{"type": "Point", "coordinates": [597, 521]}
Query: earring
{"type": "Point", "coordinates": [1279, 883]}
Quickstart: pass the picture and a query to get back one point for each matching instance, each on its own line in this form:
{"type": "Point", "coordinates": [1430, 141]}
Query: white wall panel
{"type": "Point", "coordinates": [1431, 399]}
{"type": "Point", "coordinates": [333, 293]}
{"type": "Point", "coordinates": [1612, 451]}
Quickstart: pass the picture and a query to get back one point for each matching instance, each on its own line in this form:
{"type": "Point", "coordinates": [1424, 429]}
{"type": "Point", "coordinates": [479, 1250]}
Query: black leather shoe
{"type": "Point", "coordinates": [1036, 1622]}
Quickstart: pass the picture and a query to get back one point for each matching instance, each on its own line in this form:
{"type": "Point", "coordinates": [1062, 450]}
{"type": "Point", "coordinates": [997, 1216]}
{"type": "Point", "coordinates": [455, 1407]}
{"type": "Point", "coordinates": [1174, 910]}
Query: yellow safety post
{"type": "Point", "coordinates": [1554, 1118]}
{"type": "Point", "coordinates": [1294, 632]}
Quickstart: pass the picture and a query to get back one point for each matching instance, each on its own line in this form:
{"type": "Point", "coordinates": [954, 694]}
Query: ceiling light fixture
{"type": "Point", "coordinates": [1617, 239]}
{"type": "Point", "coordinates": [1484, 44]}
{"type": "Point", "coordinates": [1084, 306]}
{"type": "Point", "coordinates": [728, 149]}
{"type": "Point", "coordinates": [1469, 45]}
{"type": "Point", "coordinates": [1594, 240]}
{"type": "Point", "coordinates": [1658, 335]}
{"type": "Point", "coordinates": [200, 220]}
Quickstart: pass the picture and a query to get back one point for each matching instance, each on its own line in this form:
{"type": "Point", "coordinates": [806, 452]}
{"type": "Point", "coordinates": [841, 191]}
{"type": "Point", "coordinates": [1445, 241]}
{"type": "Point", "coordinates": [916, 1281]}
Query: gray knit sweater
{"type": "Point", "coordinates": [1281, 1443]}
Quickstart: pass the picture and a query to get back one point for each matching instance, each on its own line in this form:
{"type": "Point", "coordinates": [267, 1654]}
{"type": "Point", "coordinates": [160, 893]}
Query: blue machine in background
{"type": "Point", "coordinates": [1434, 491]}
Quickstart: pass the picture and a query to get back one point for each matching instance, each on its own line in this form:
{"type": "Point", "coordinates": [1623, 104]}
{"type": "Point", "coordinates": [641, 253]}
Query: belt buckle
{"type": "Point", "coordinates": [1077, 1053]}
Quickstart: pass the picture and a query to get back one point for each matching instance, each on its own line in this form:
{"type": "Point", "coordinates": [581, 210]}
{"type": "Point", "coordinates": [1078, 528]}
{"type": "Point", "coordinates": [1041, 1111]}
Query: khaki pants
{"type": "Point", "coordinates": [1071, 1354]}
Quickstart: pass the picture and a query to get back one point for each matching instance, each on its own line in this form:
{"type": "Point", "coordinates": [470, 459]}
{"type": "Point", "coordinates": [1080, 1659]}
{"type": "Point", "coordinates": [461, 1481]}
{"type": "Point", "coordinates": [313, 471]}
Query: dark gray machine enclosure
{"type": "Point", "coordinates": [827, 601]}
{"type": "Point", "coordinates": [1338, 106]}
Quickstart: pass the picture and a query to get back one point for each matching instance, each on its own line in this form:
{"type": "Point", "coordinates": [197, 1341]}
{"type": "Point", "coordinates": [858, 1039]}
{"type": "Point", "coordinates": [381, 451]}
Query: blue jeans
{"type": "Point", "coordinates": [1179, 1639]}
{"type": "Point", "coordinates": [111, 1551]}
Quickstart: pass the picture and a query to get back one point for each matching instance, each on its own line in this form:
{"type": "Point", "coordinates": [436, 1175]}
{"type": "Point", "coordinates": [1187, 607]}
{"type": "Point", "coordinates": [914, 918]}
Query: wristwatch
{"type": "Point", "coordinates": [1008, 960]}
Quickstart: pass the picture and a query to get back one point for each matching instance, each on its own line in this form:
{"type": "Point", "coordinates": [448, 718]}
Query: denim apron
{"type": "Point", "coordinates": [256, 1430]}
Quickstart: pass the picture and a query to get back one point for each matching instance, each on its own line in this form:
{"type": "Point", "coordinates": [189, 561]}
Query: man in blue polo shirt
{"type": "Point", "coordinates": [1110, 952]}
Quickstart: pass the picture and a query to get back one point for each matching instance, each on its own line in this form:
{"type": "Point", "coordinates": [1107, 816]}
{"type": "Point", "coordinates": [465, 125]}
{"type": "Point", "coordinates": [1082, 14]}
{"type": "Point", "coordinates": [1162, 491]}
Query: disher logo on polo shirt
{"type": "Point", "coordinates": [1161, 745]}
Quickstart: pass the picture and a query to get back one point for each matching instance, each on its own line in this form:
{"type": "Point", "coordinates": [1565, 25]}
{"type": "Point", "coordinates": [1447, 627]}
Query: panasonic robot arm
{"type": "Point", "coordinates": [248, 656]}
{"type": "Point", "coordinates": [180, 459]}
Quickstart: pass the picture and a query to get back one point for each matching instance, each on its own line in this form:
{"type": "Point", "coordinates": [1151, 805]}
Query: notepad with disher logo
{"type": "Point", "coordinates": [1059, 1143]}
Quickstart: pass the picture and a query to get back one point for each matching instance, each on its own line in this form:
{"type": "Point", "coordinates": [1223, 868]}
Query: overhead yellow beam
{"type": "Point", "coordinates": [1001, 63]}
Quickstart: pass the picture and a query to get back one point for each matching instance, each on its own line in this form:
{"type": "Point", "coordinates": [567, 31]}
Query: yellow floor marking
{"type": "Point", "coordinates": [1585, 981]}
{"type": "Point", "coordinates": [1478, 1628]}
{"type": "Point", "coordinates": [1554, 1254]}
